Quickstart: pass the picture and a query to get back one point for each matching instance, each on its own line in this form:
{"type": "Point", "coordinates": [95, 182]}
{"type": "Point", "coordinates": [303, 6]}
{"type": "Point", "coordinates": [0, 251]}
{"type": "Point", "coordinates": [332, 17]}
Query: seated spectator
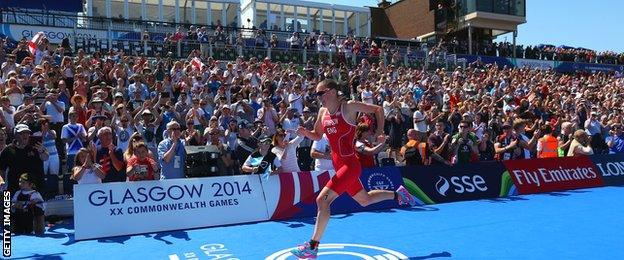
{"type": "Point", "coordinates": [85, 171]}
{"type": "Point", "coordinates": [27, 208]}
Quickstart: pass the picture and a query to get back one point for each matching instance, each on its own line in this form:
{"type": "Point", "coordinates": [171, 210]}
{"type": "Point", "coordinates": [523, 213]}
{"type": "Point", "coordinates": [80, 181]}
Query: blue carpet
{"type": "Point", "coordinates": [580, 224]}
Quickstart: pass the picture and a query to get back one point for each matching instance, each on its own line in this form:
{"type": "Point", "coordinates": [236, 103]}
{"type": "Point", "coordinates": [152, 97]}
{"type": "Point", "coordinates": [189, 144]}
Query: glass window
{"type": "Point", "coordinates": [134, 9]}
{"type": "Point", "coordinates": [169, 11]}
{"type": "Point", "coordinates": [289, 14]}
{"type": "Point", "coordinates": [302, 19]}
{"type": "Point", "coordinates": [340, 20]}
{"type": "Point", "coordinates": [275, 17]}
{"type": "Point", "coordinates": [152, 10]}
{"type": "Point", "coordinates": [518, 8]}
{"type": "Point", "coordinates": [351, 23]}
{"type": "Point", "coordinates": [201, 16]}
{"type": "Point", "coordinates": [327, 22]}
{"type": "Point", "coordinates": [315, 19]}
{"type": "Point", "coordinates": [215, 9]}
{"type": "Point", "coordinates": [485, 5]}
{"type": "Point", "coordinates": [99, 8]}
{"type": "Point", "coordinates": [261, 17]}
{"type": "Point", "coordinates": [117, 9]}
{"type": "Point", "coordinates": [231, 14]}
{"type": "Point", "coordinates": [501, 6]}
{"type": "Point", "coordinates": [364, 17]}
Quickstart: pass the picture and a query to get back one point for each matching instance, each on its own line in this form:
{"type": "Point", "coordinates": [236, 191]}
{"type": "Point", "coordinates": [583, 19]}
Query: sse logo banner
{"type": "Point", "coordinates": [440, 183]}
{"type": "Point", "coordinates": [553, 174]}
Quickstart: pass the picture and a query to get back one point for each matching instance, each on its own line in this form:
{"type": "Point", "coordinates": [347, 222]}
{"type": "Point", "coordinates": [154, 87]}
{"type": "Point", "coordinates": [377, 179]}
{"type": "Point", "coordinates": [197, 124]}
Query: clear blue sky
{"type": "Point", "coordinates": [597, 25]}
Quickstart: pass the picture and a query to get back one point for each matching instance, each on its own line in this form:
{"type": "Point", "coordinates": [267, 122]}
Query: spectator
{"type": "Point", "coordinates": [464, 144]}
{"type": "Point", "coordinates": [74, 136]}
{"type": "Point", "coordinates": [418, 152]}
{"type": "Point", "coordinates": [615, 142]}
{"type": "Point", "coordinates": [27, 208]}
{"type": "Point", "coordinates": [171, 153]}
{"type": "Point", "coordinates": [322, 155]}
{"type": "Point", "coordinates": [109, 156]}
{"type": "Point", "coordinates": [365, 151]}
{"type": "Point", "coordinates": [439, 141]}
{"type": "Point", "coordinates": [548, 144]}
{"type": "Point", "coordinates": [286, 150]}
{"type": "Point", "coordinates": [246, 143]}
{"type": "Point", "coordinates": [141, 166]}
{"type": "Point", "coordinates": [565, 138]}
{"type": "Point", "coordinates": [23, 156]}
{"type": "Point", "coordinates": [85, 171]}
{"type": "Point", "coordinates": [51, 167]}
{"type": "Point", "coordinates": [262, 160]}
{"type": "Point", "coordinates": [580, 145]}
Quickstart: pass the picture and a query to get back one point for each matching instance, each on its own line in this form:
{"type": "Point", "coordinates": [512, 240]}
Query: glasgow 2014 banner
{"type": "Point", "coordinates": [115, 209]}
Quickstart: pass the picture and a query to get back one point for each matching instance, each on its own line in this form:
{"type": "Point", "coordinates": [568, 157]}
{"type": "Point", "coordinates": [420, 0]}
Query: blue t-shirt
{"type": "Point", "coordinates": [618, 144]}
{"type": "Point", "coordinates": [174, 169]}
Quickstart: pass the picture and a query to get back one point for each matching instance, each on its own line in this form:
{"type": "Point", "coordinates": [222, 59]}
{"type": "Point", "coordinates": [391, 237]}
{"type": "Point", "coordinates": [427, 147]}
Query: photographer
{"type": "Point", "coordinates": [23, 155]}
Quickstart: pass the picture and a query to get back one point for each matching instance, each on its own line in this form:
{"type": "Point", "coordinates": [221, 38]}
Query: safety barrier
{"type": "Point", "coordinates": [152, 206]}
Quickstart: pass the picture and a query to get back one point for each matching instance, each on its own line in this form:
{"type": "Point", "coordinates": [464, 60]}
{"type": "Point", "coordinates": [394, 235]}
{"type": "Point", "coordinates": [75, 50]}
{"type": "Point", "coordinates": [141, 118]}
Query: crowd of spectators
{"type": "Point", "coordinates": [539, 52]}
{"type": "Point", "coordinates": [111, 117]}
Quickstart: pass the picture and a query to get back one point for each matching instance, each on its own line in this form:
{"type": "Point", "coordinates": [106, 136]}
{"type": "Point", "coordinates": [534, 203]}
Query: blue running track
{"type": "Point", "coordinates": [580, 224]}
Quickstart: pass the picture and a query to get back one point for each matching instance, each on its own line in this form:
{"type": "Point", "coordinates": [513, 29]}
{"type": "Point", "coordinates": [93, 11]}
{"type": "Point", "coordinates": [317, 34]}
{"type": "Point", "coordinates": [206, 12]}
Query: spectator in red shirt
{"type": "Point", "coordinates": [141, 166]}
{"type": "Point", "coordinates": [365, 150]}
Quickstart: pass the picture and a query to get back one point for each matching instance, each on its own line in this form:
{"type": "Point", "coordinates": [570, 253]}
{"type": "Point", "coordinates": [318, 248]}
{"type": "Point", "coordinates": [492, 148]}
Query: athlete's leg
{"type": "Point", "coordinates": [367, 198]}
{"type": "Point", "coordinates": [323, 202]}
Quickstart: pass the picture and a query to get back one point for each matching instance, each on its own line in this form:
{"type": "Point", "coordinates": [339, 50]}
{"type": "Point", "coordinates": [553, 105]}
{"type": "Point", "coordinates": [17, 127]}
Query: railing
{"type": "Point", "coordinates": [224, 52]}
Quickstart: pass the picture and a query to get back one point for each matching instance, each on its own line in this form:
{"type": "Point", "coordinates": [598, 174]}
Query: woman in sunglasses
{"type": "Point", "coordinates": [337, 119]}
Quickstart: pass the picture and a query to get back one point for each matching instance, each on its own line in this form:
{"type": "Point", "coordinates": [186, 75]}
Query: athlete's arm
{"type": "Point", "coordinates": [353, 107]}
{"type": "Point", "coordinates": [317, 133]}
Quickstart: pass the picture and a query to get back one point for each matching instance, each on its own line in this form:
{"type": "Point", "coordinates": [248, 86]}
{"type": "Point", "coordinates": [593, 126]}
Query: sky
{"type": "Point", "coordinates": [596, 25]}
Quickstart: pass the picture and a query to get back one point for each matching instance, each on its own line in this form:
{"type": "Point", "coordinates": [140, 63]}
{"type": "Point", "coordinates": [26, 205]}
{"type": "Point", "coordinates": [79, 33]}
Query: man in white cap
{"type": "Point", "coordinates": [21, 156]}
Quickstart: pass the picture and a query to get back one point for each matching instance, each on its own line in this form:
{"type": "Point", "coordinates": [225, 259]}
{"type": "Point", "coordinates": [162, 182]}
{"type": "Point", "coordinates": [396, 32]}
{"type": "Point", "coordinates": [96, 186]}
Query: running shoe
{"type": "Point", "coordinates": [405, 197]}
{"type": "Point", "coordinates": [304, 251]}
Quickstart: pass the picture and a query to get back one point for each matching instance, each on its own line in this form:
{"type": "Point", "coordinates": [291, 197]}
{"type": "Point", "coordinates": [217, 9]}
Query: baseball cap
{"type": "Point", "coordinates": [21, 128]}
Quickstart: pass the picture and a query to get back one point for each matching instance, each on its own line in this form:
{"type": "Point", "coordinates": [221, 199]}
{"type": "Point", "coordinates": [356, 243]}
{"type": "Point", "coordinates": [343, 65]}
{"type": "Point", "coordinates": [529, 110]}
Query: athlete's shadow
{"type": "Point", "coordinates": [301, 222]}
{"type": "Point", "coordinates": [506, 199]}
{"type": "Point", "coordinates": [432, 255]}
{"type": "Point", "coordinates": [46, 256]}
{"type": "Point", "coordinates": [174, 234]}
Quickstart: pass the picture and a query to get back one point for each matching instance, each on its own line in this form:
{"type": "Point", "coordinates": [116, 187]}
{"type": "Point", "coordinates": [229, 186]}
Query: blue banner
{"type": "Point", "coordinates": [611, 166]}
{"type": "Point", "coordinates": [440, 183]}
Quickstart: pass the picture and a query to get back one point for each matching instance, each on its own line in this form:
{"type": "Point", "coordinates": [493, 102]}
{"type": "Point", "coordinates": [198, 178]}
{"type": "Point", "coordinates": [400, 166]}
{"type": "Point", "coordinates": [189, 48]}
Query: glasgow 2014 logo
{"type": "Point", "coordinates": [342, 250]}
{"type": "Point", "coordinates": [379, 181]}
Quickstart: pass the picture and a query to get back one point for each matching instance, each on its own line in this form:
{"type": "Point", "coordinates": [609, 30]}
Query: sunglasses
{"type": "Point", "coordinates": [322, 92]}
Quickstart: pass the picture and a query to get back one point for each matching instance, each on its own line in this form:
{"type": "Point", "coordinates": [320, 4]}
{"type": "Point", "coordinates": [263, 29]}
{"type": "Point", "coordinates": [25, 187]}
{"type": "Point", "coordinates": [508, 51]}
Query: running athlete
{"type": "Point", "coordinates": [337, 119]}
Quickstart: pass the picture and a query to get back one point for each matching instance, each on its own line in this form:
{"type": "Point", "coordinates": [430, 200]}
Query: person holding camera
{"type": "Point", "coordinates": [23, 155]}
{"type": "Point", "coordinates": [464, 144]}
{"type": "Point", "coordinates": [615, 142]}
